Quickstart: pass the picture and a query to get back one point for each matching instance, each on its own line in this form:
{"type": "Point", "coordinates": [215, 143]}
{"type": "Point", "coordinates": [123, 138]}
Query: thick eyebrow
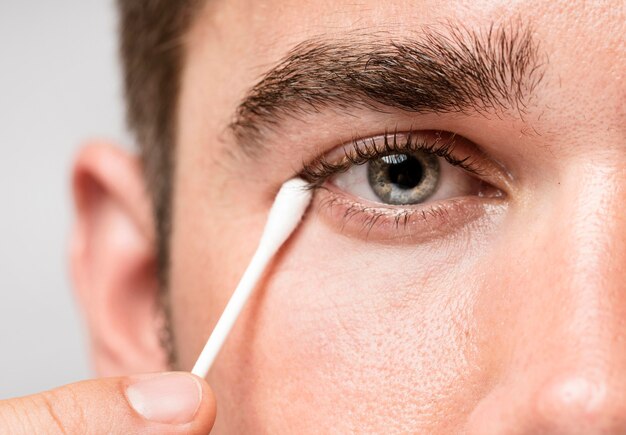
{"type": "Point", "coordinates": [453, 69]}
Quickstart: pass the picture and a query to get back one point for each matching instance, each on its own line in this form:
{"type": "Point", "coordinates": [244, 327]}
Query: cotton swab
{"type": "Point", "coordinates": [289, 206]}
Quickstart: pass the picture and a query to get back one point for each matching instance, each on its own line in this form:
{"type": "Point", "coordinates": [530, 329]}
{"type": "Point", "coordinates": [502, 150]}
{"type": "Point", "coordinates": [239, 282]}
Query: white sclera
{"type": "Point", "coordinates": [453, 182]}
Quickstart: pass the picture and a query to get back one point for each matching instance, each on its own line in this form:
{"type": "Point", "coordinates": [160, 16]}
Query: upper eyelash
{"type": "Point", "coordinates": [361, 151]}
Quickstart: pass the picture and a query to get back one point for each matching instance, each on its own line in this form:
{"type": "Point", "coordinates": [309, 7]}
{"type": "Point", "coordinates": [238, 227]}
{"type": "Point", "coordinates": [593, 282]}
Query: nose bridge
{"type": "Point", "coordinates": [578, 274]}
{"type": "Point", "coordinates": [582, 389]}
{"type": "Point", "coordinates": [588, 250]}
{"type": "Point", "coordinates": [565, 370]}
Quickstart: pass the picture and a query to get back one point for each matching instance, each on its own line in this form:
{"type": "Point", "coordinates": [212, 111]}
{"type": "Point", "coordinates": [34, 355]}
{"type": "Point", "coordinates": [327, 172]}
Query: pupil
{"type": "Point", "coordinates": [405, 171]}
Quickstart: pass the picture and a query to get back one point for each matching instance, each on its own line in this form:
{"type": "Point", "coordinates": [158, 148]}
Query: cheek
{"type": "Point", "coordinates": [342, 327]}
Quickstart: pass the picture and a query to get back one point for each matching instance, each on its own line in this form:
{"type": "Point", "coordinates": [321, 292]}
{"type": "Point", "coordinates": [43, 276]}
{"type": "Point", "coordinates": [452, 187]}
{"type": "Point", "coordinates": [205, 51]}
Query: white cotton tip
{"type": "Point", "coordinates": [291, 202]}
{"type": "Point", "coordinates": [289, 206]}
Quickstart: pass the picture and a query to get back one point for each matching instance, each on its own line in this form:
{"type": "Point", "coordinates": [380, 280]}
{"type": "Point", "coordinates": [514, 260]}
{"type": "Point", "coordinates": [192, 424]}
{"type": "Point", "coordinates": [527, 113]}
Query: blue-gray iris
{"type": "Point", "coordinates": [402, 179]}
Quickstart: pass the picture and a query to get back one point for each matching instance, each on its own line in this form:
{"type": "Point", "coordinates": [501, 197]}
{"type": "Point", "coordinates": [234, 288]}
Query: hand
{"type": "Point", "coordinates": [168, 403]}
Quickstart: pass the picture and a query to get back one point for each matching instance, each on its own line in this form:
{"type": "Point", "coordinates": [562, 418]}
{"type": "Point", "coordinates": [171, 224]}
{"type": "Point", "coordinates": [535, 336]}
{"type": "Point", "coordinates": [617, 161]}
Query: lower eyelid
{"type": "Point", "coordinates": [393, 224]}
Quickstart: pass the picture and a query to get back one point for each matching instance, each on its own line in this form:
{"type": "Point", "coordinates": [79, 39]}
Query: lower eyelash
{"type": "Point", "coordinates": [390, 223]}
{"type": "Point", "coordinates": [371, 214]}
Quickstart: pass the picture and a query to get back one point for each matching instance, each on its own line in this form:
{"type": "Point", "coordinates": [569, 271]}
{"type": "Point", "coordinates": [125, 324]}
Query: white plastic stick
{"type": "Point", "coordinates": [289, 206]}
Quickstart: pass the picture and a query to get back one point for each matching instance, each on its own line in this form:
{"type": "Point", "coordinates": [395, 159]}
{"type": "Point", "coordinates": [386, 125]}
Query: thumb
{"type": "Point", "coordinates": [172, 403]}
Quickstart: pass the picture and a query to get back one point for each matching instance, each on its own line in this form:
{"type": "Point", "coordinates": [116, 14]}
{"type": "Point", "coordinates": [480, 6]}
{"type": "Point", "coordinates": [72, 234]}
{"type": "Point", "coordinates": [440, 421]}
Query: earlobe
{"type": "Point", "coordinates": [113, 261]}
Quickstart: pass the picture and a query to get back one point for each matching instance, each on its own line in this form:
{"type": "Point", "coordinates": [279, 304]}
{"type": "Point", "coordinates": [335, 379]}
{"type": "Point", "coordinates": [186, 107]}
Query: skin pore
{"type": "Point", "coordinates": [497, 307]}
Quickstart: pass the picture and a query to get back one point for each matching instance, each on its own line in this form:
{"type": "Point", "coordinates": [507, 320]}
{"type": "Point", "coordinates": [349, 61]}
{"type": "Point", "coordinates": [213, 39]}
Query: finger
{"type": "Point", "coordinates": [168, 403]}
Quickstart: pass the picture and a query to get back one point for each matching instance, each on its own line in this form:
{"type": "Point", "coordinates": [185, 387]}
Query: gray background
{"type": "Point", "coordinates": [59, 85]}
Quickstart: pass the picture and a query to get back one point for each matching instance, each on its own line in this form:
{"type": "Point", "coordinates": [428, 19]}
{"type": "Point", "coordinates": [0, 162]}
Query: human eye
{"type": "Point", "coordinates": [414, 183]}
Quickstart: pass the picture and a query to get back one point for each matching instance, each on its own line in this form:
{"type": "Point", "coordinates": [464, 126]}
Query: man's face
{"type": "Point", "coordinates": [491, 300]}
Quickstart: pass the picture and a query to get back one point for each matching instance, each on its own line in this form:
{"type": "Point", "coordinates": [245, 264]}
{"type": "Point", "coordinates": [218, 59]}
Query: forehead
{"type": "Point", "coordinates": [234, 43]}
{"type": "Point", "coordinates": [265, 28]}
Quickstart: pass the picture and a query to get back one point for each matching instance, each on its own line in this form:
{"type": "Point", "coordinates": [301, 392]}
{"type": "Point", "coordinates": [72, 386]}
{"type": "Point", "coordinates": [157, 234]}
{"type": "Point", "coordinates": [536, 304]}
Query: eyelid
{"type": "Point", "coordinates": [418, 222]}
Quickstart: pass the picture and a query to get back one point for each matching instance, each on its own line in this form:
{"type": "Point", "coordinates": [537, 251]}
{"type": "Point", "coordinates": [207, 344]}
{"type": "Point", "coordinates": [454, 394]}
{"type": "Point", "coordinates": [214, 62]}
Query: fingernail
{"type": "Point", "coordinates": [172, 398]}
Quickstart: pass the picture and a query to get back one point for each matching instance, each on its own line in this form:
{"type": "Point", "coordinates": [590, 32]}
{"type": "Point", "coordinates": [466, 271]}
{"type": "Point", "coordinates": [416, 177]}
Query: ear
{"type": "Point", "coordinates": [113, 261]}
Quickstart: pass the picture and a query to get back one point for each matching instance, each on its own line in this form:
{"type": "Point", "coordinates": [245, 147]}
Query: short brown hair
{"type": "Point", "coordinates": [152, 53]}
